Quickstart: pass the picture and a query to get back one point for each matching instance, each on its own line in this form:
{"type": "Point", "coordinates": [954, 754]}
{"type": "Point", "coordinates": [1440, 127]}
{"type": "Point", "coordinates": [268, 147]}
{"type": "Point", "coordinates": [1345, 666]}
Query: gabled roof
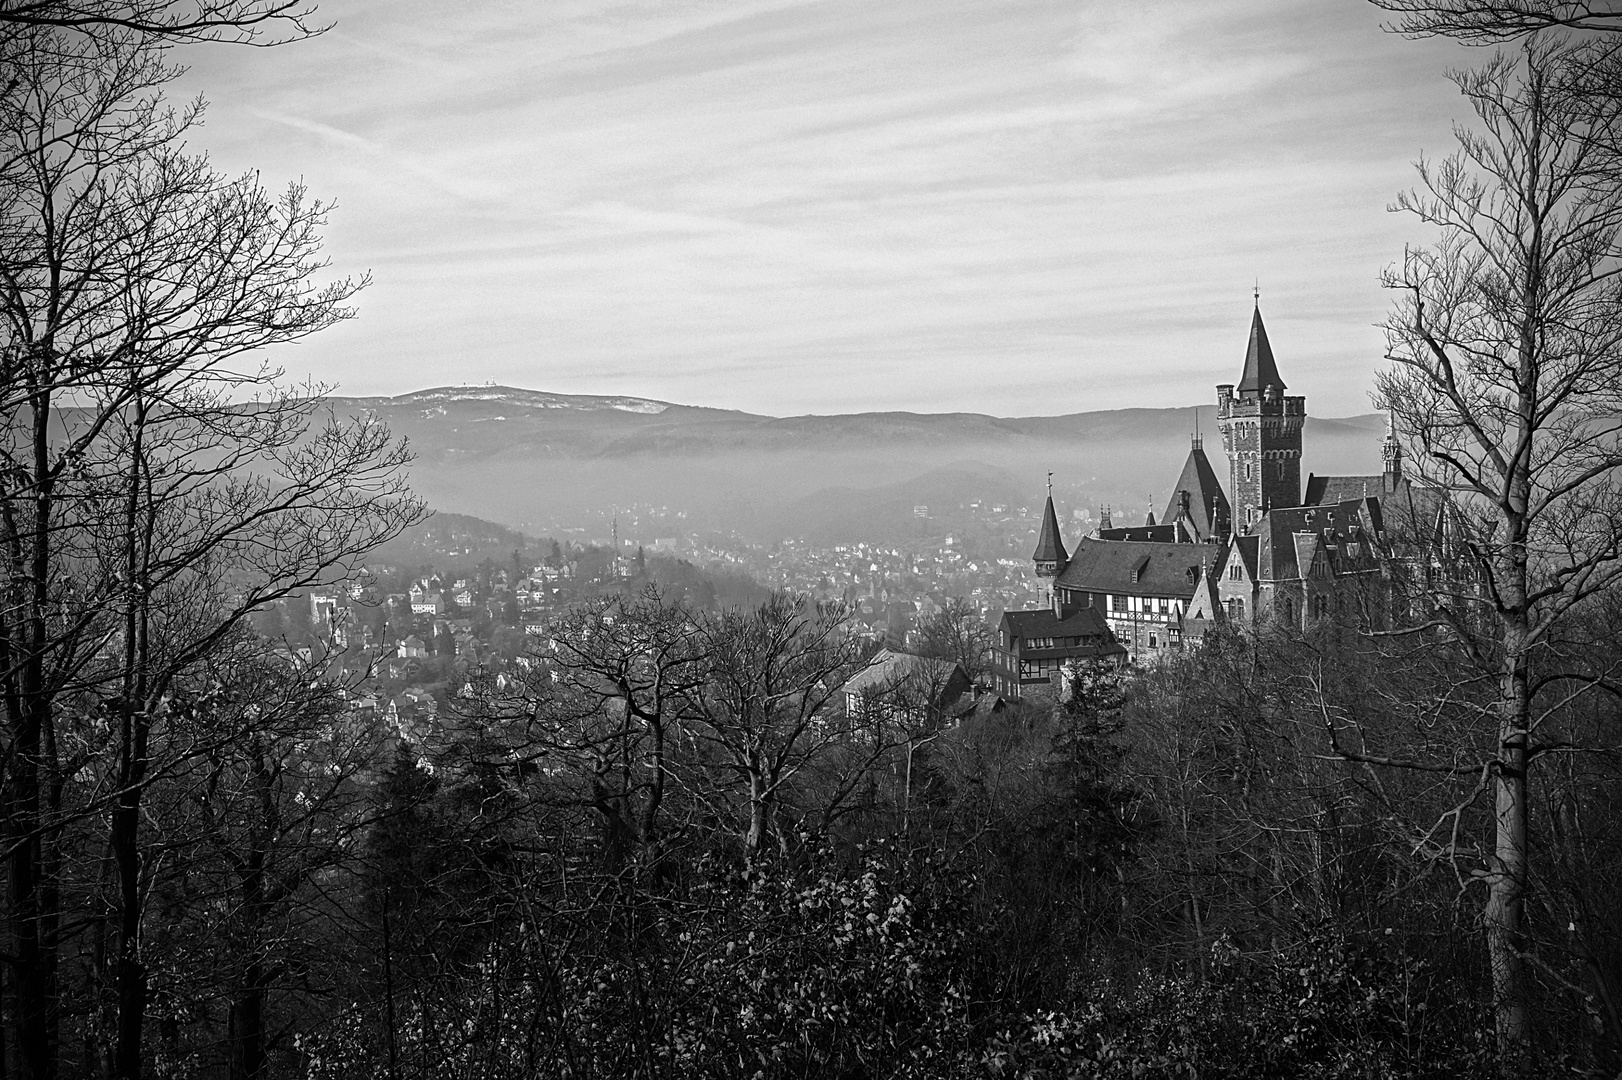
{"type": "Point", "coordinates": [1338, 489]}
{"type": "Point", "coordinates": [1289, 539]}
{"type": "Point", "coordinates": [1106, 566]}
{"type": "Point", "coordinates": [1260, 370]}
{"type": "Point", "coordinates": [1206, 502]}
{"type": "Point", "coordinates": [1168, 533]}
{"type": "Point", "coordinates": [1087, 624]}
{"type": "Point", "coordinates": [1249, 548]}
{"type": "Point", "coordinates": [890, 666]}
{"type": "Point", "coordinates": [1049, 545]}
{"type": "Point", "coordinates": [1041, 622]}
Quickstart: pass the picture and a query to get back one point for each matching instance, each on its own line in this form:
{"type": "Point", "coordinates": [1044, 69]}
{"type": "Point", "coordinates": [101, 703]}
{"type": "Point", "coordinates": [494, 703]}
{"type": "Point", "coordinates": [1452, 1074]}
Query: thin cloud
{"type": "Point", "coordinates": [817, 206]}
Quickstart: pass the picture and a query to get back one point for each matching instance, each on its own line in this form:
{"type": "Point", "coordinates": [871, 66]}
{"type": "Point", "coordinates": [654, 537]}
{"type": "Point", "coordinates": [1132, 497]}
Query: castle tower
{"type": "Point", "coordinates": [1261, 433]}
{"type": "Point", "coordinates": [1050, 556]}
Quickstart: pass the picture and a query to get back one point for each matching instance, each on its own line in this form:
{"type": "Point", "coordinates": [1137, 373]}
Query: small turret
{"type": "Point", "coordinates": [1050, 556]}
{"type": "Point", "coordinates": [1391, 453]}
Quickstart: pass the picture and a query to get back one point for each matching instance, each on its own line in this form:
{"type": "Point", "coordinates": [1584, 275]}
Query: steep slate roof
{"type": "Point", "coordinates": [1042, 623]}
{"type": "Point", "coordinates": [1249, 547]}
{"type": "Point", "coordinates": [1206, 502]}
{"type": "Point", "coordinates": [1171, 532]}
{"type": "Point", "coordinates": [1049, 545]}
{"type": "Point", "coordinates": [1107, 566]}
{"type": "Point", "coordinates": [1260, 370]}
{"type": "Point", "coordinates": [1283, 553]}
{"type": "Point", "coordinates": [1338, 489]}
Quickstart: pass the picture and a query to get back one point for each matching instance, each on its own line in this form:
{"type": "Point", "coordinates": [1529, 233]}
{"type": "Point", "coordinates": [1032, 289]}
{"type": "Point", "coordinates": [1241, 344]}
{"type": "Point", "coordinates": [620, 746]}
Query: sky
{"type": "Point", "coordinates": [1015, 207]}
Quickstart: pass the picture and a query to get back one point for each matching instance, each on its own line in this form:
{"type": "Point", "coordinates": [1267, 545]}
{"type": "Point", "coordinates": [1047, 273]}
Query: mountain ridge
{"type": "Point", "coordinates": [539, 461]}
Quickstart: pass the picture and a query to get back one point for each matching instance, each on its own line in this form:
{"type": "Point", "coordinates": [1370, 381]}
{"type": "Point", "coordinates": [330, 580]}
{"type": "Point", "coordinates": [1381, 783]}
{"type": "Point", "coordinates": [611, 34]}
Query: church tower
{"type": "Point", "coordinates": [1261, 433]}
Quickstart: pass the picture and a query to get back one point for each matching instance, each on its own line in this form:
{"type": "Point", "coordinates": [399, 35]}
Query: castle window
{"type": "Point", "coordinates": [1154, 643]}
{"type": "Point", "coordinates": [1117, 602]}
{"type": "Point", "coordinates": [1236, 610]}
{"type": "Point", "coordinates": [1236, 573]}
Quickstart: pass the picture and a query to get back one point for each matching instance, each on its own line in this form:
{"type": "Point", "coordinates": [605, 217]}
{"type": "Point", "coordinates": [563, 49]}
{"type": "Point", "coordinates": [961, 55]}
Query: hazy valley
{"type": "Point", "coordinates": [550, 463]}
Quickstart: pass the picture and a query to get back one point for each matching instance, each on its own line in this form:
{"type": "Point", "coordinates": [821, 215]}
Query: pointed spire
{"type": "Point", "coordinates": [1049, 545]}
{"type": "Point", "coordinates": [1391, 451]}
{"type": "Point", "coordinates": [1260, 369]}
{"type": "Point", "coordinates": [1151, 518]}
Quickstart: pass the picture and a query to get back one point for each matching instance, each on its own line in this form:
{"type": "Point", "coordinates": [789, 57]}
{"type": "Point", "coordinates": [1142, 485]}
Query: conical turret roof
{"type": "Point", "coordinates": [1260, 370]}
{"type": "Point", "coordinates": [1049, 547]}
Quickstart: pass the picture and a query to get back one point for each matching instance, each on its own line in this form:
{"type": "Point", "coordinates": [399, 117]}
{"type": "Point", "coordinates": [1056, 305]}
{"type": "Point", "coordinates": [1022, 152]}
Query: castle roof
{"type": "Point", "coordinates": [1288, 539]}
{"type": "Point", "coordinates": [1249, 549]}
{"type": "Point", "coordinates": [1085, 624]}
{"type": "Point", "coordinates": [1206, 502]}
{"type": "Point", "coordinates": [1041, 622]}
{"type": "Point", "coordinates": [1170, 532]}
{"type": "Point", "coordinates": [1049, 545]}
{"type": "Point", "coordinates": [1134, 567]}
{"type": "Point", "coordinates": [1336, 489]}
{"type": "Point", "coordinates": [1260, 369]}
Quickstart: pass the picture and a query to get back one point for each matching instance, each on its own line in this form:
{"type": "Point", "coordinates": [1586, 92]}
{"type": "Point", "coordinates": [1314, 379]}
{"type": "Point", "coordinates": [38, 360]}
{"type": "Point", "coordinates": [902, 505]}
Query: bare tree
{"type": "Point", "coordinates": [260, 834]}
{"type": "Point", "coordinates": [1490, 21]}
{"type": "Point", "coordinates": [253, 22]}
{"type": "Point", "coordinates": [153, 489]}
{"type": "Point", "coordinates": [1506, 345]}
{"type": "Point", "coordinates": [960, 633]}
{"type": "Point", "coordinates": [603, 707]}
{"type": "Point", "coordinates": [769, 709]}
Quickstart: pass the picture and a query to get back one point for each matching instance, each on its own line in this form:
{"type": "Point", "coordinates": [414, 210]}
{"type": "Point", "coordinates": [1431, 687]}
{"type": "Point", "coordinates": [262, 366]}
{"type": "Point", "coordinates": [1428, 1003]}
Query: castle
{"type": "Point", "coordinates": [1271, 551]}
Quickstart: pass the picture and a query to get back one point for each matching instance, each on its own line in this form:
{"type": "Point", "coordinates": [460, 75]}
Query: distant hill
{"type": "Point", "coordinates": [447, 536]}
{"type": "Point", "coordinates": [533, 460]}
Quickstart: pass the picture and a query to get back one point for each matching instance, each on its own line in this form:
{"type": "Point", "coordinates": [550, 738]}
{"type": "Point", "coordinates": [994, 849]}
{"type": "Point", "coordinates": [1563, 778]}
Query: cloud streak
{"type": "Point", "coordinates": [1032, 206]}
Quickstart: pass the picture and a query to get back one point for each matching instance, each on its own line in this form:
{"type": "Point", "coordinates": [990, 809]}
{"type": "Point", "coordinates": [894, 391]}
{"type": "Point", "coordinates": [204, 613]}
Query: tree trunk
{"type": "Point", "coordinates": [31, 790]}
{"type": "Point", "coordinates": [33, 920]}
{"type": "Point", "coordinates": [759, 812]}
{"type": "Point", "coordinates": [247, 1024]}
{"type": "Point", "coordinates": [246, 1017]}
{"type": "Point", "coordinates": [1507, 872]}
{"type": "Point", "coordinates": [133, 744]}
{"type": "Point", "coordinates": [130, 970]}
